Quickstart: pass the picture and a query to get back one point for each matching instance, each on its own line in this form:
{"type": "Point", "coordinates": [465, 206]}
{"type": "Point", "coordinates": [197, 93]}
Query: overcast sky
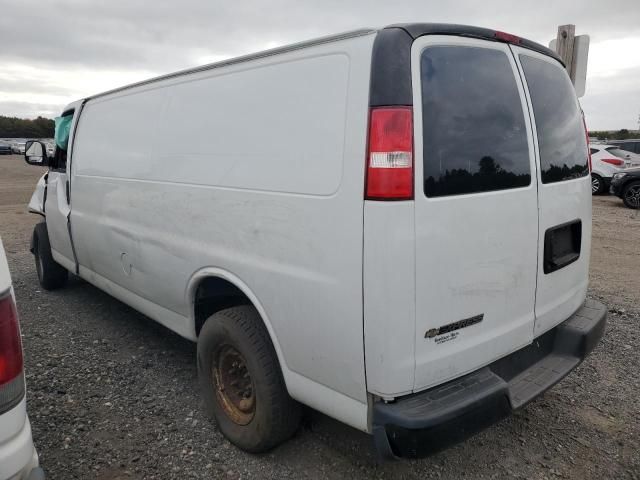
{"type": "Point", "coordinates": [53, 52]}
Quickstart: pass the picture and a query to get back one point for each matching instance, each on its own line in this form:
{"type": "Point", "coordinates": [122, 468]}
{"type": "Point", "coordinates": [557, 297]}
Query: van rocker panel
{"type": "Point", "coordinates": [428, 421]}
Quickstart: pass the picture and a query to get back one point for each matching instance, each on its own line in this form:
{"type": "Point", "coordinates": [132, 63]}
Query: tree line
{"type": "Point", "coordinates": [13, 127]}
{"type": "Point", "coordinates": [621, 134]}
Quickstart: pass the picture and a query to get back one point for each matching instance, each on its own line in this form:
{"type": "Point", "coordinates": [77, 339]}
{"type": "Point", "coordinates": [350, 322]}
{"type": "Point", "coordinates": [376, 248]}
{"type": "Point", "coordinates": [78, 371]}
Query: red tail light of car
{"type": "Point", "coordinates": [12, 386]}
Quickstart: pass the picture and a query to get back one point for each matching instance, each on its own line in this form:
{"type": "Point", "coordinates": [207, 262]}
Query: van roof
{"type": "Point", "coordinates": [413, 30]}
{"type": "Point", "coordinates": [416, 30]}
{"type": "Point", "coordinates": [246, 58]}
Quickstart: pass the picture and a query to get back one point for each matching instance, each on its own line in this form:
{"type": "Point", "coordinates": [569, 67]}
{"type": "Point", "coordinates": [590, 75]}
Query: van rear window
{"type": "Point", "coordinates": [474, 132]}
{"type": "Point", "coordinates": [561, 137]}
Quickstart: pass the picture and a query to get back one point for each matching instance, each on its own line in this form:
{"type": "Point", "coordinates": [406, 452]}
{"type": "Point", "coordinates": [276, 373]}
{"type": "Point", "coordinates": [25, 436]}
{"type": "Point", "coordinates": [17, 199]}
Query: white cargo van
{"type": "Point", "coordinates": [390, 226]}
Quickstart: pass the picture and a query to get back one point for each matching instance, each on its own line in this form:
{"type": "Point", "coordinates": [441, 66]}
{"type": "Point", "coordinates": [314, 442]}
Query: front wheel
{"type": "Point", "coordinates": [242, 383]}
{"type": "Point", "coordinates": [597, 184]}
{"type": "Point", "coordinates": [51, 275]}
{"type": "Point", "coordinates": [631, 195]}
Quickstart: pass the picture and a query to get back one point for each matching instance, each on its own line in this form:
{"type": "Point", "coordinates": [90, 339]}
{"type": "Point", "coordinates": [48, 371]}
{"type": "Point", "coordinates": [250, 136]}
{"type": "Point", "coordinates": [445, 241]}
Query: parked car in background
{"type": "Point", "coordinates": [18, 457]}
{"type": "Point", "coordinates": [5, 148]}
{"type": "Point", "coordinates": [51, 148]}
{"type": "Point", "coordinates": [604, 164]}
{"type": "Point", "coordinates": [18, 148]}
{"type": "Point", "coordinates": [630, 145]}
{"type": "Point", "coordinates": [626, 185]}
{"type": "Point", "coordinates": [631, 160]}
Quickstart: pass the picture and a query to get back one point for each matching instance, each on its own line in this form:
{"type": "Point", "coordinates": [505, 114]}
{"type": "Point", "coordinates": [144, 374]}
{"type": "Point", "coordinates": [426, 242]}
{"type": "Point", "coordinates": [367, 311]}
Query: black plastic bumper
{"type": "Point", "coordinates": [615, 187]}
{"type": "Point", "coordinates": [428, 421]}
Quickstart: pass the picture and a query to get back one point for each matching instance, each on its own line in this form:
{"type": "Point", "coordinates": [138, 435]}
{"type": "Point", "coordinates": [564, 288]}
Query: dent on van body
{"type": "Point", "coordinates": [254, 194]}
{"type": "Point", "coordinates": [36, 204]}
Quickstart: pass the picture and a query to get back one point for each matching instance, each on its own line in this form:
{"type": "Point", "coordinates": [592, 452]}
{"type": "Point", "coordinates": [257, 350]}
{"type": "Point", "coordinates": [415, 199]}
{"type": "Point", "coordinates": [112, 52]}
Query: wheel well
{"type": "Point", "coordinates": [214, 294]}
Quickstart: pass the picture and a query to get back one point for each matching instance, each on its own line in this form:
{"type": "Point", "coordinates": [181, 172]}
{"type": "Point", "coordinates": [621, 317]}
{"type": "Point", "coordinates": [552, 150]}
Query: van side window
{"type": "Point", "coordinates": [61, 139]}
{"type": "Point", "coordinates": [473, 125]}
{"type": "Point", "coordinates": [561, 137]}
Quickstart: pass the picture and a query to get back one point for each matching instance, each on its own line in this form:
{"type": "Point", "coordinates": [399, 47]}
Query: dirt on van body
{"type": "Point", "coordinates": [113, 395]}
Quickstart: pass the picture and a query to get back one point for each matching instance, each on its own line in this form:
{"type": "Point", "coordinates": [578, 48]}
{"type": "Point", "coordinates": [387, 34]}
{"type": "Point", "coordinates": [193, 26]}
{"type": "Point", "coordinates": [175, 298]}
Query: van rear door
{"type": "Point", "coordinates": [564, 189]}
{"type": "Point", "coordinates": [476, 207]}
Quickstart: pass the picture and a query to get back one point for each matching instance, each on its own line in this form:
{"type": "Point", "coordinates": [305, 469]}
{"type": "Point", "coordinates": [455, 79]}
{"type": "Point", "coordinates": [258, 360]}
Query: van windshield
{"type": "Point", "coordinates": [561, 136]}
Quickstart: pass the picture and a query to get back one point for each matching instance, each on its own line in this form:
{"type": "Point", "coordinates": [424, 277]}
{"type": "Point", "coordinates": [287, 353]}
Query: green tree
{"type": "Point", "coordinates": [13, 127]}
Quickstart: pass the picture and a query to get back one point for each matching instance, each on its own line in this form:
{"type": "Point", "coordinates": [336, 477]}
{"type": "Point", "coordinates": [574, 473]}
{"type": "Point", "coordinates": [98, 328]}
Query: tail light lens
{"type": "Point", "coordinates": [507, 37]}
{"type": "Point", "coordinates": [11, 363]}
{"type": "Point", "coordinates": [613, 161]}
{"type": "Point", "coordinates": [586, 132]}
{"type": "Point", "coordinates": [390, 154]}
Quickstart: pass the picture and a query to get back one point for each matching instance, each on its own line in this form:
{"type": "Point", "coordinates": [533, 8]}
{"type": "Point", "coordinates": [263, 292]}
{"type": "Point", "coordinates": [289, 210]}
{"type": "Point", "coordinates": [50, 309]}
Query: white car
{"type": "Point", "coordinates": [18, 148]}
{"type": "Point", "coordinates": [631, 159]}
{"type": "Point", "coordinates": [18, 457]}
{"type": "Point", "coordinates": [380, 191]}
{"type": "Point", "coordinates": [606, 161]}
{"type": "Point", "coordinates": [50, 149]}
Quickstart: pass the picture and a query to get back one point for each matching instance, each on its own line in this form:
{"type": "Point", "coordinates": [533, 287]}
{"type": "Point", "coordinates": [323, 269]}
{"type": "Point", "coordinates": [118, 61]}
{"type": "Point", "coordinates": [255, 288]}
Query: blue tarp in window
{"type": "Point", "coordinates": [63, 126]}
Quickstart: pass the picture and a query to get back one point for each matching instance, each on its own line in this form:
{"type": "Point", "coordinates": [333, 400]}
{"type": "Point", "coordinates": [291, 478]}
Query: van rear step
{"type": "Point", "coordinates": [428, 421]}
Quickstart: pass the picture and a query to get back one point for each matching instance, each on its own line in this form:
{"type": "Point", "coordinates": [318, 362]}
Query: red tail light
{"type": "Point", "coordinates": [586, 132]}
{"type": "Point", "coordinates": [613, 161]}
{"type": "Point", "coordinates": [390, 154]}
{"type": "Point", "coordinates": [10, 344]}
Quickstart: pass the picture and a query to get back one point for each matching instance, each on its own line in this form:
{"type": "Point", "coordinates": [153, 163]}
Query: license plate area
{"type": "Point", "coordinates": [562, 245]}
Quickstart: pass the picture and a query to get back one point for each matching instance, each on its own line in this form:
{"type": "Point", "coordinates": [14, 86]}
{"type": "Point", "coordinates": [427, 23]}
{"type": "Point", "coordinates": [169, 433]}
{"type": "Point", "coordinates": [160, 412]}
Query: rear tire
{"type": "Point", "coordinates": [51, 275]}
{"type": "Point", "coordinates": [242, 383]}
{"type": "Point", "coordinates": [631, 195]}
{"type": "Point", "coordinates": [597, 184]}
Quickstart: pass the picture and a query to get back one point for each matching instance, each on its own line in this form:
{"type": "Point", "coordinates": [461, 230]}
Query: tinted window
{"type": "Point", "coordinates": [618, 152]}
{"type": "Point", "coordinates": [62, 132]}
{"type": "Point", "coordinates": [594, 150]}
{"type": "Point", "coordinates": [630, 146]}
{"type": "Point", "coordinates": [474, 132]}
{"type": "Point", "coordinates": [561, 136]}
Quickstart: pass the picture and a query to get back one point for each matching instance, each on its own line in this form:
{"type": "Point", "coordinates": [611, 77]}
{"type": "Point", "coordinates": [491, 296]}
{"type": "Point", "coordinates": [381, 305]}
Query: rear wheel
{"type": "Point", "coordinates": [242, 383]}
{"type": "Point", "coordinates": [597, 184]}
{"type": "Point", "coordinates": [51, 275]}
{"type": "Point", "coordinates": [631, 195]}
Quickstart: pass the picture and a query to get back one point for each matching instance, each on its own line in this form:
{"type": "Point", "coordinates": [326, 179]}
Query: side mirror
{"type": "Point", "coordinates": [35, 153]}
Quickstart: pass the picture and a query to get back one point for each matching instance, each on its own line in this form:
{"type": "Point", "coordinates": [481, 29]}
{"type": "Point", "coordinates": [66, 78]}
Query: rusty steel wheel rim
{"type": "Point", "coordinates": [233, 385]}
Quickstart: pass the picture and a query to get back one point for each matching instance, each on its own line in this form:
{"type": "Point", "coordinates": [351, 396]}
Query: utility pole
{"type": "Point", "coordinates": [574, 52]}
{"type": "Point", "coordinates": [564, 47]}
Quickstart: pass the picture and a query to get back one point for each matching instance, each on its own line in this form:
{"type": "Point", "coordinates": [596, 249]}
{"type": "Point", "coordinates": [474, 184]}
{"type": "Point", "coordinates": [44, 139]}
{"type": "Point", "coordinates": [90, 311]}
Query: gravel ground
{"type": "Point", "coordinates": [113, 395]}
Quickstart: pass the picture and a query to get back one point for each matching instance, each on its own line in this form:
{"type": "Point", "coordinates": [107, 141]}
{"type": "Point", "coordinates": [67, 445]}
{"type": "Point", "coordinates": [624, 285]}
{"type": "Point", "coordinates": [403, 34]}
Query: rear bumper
{"type": "Point", "coordinates": [428, 421]}
{"type": "Point", "coordinates": [615, 188]}
{"type": "Point", "coordinates": [18, 457]}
